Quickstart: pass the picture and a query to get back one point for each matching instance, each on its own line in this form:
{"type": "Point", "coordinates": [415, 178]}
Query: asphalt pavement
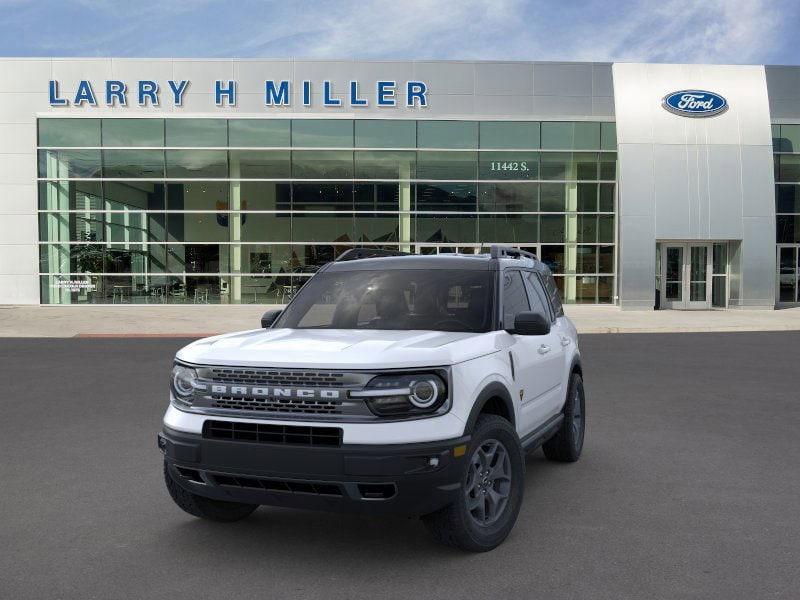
{"type": "Point", "coordinates": [689, 487]}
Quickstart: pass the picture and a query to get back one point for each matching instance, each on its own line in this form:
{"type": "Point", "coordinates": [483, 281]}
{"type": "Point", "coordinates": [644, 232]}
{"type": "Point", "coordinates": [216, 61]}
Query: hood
{"type": "Point", "coordinates": [338, 348]}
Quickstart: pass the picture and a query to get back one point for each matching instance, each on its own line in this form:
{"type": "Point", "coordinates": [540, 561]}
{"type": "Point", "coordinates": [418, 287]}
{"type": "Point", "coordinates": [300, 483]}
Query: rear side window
{"type": "Point", "coordinates": [552, 292]}
{"type": "Point", "coordinates": [537, 296]}
{"type": "Point", "coordinates": [515, 299]}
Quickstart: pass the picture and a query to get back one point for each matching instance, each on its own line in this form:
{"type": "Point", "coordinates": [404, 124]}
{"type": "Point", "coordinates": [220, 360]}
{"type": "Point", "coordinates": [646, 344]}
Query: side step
{"type": "Point", "coordinates": [542, 433]}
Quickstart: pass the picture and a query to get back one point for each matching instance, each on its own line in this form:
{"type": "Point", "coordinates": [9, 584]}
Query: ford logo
{"type": "Point", "coordinates": [695, 103]}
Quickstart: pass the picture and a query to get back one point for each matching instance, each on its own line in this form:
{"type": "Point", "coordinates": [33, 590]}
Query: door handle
{"type": "Point", "coordinates": [543, 349]}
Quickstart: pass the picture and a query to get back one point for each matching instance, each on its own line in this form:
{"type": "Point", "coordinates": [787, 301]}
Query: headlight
{"type": "Point", "coordinates": [184, 380]}
{"type": "Point", "coordinates": [404, 395]}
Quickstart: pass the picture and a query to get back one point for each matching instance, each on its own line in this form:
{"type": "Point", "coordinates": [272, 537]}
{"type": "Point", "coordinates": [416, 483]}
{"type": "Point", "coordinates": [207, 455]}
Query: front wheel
{"type": "Point", "coordinates": [205, 508]}
{"type": "Point", "coordinates": [490, 493]}
{"type": "Point", "coordinates": [567, 443]}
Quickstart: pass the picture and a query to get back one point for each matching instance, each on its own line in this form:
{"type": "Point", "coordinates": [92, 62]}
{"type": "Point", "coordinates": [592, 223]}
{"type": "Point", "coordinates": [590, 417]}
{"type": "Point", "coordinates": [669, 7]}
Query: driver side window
{"type": "Point", "coordinates": [515, 299]}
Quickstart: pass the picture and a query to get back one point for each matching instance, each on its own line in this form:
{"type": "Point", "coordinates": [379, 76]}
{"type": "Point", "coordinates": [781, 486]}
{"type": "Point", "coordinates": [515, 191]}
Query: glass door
{"type": "Point", "coordinates": [699, 276]}
{"type": "Point", "coordinates": [686, 272]}
{"type": "Point", "coordinates": [787, 274]}
{"type": "Point", "coordinates": [672, 265]}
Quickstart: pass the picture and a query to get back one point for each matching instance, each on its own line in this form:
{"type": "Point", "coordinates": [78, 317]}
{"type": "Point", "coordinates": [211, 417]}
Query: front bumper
{"type": "Point", "coordinates": [403, 479]}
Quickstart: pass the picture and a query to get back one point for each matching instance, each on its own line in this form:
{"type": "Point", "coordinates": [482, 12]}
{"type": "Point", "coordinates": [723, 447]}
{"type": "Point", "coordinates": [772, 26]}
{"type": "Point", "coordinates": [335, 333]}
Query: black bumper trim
{"type": "Point", "coordinates": [409, 479]}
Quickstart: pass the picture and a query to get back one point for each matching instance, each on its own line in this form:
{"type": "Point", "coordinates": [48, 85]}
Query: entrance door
{"type": "Point", "coordinates": [686, 276]}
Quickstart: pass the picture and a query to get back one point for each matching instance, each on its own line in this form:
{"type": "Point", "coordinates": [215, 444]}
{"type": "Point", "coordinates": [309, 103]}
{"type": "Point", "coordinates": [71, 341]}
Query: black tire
{"type": "Point", "coordinates": [455, 525]}
{"type": "Point", "coordinates": [567, 443]}
{"type": "Point", "coordinates": [206, 508]}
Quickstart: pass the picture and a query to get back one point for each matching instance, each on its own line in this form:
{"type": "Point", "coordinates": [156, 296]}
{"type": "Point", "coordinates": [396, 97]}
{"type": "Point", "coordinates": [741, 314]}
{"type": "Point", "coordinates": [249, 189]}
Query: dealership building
{"type": "Point", "coordinates": [166, 181]}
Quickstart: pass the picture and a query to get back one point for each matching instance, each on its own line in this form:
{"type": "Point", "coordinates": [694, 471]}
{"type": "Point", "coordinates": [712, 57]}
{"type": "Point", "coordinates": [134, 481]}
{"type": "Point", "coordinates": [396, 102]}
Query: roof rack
{"type": "Point", "coordinates": [508, 252]}
{"type": "Point", "coordinates": [359, 253]}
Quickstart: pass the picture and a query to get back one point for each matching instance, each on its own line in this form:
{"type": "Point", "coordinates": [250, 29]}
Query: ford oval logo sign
{"type": "Point", "coordinates": [695, 103]}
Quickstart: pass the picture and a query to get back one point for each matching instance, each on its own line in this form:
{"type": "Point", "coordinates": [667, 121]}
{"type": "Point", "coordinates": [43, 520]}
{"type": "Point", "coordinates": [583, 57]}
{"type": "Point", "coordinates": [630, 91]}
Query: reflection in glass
{"type": "Point", "coordinates": [385, 164]}
{"type": "Point", "coordinates": [70, 195]}
{"type": "Point", "coordinates": [447, 134]}
{"type": "Point", "coordinates": [133, 132]}
{"type": "Point", "coordinates": [132, 164]}
{"type": "Point", "coordinates": [587, 197]}
{"type": "Point", "coordinates": [322, 164]}
{"type": "Point", "coordinates": [322, 133]}
{"type": "Point", "coordinates": [508, 197]}
{"type": "Point", "coordinates": [260, 164]}
{"type": "Point", "coordinates": [63, 164]}
{"type": "Point", "coordinates": [322, 227]}
{"type": "Point", "coordinates": [259, 133]}
{"type": "Point", "coordinates": [65, 133]}
{"type": "Point", "coordinates": [512, 229]}
{"type": "Point", "coordinates": [377, 227]}
{"type": "Point", "coordinates": [509, 134]}
{"type": "Point", "coordinates": [198, 133]}
{"type": "Point", "coordinates": [447, 165]}
{"type": "Point", "coordinates": [197, 164]}
{"type": "Point", "coordinates": [556, 166]}
{"type": "Point", "coordinates": [383, 133]}
{"type": "Point", "coordinates": [446, 228]}
{"type": "Point", "coordinates": [552, 228]}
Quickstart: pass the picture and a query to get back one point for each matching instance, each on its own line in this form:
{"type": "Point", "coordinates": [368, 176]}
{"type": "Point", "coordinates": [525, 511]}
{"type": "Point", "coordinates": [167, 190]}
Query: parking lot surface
{"type": "Point", "coordinates": [689, 487]}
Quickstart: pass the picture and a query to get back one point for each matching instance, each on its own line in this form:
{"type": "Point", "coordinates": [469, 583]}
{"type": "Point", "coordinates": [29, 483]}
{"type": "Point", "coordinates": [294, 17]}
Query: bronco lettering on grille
{"type": "Point", "coordinates": [274, 392]}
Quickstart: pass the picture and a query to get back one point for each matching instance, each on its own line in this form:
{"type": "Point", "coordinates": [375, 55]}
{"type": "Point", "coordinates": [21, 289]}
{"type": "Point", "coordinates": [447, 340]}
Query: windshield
{"type": "Point", "coordinates": [437, 300]}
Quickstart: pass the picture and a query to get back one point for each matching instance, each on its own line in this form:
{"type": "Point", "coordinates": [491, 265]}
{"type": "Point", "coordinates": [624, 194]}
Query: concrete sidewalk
{"type": "Point", "coordinates": [199, 321]}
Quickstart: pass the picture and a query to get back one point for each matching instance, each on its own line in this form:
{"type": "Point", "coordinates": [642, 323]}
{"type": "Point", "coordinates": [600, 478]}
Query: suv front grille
{"type": "Point", "coordinates": [283, 394]}
{"type": "Point", "coordinates": [278, 405]}
{"type": "Point", "coordinates": [269, 377]}
{"type": "Point", "coordinates": [264, 433]}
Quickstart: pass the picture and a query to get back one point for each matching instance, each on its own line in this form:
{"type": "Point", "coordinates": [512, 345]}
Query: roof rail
{"type": "Point", "coordinates": [359, 253]}
{"type": "Point", "coordinates": [508, 252]}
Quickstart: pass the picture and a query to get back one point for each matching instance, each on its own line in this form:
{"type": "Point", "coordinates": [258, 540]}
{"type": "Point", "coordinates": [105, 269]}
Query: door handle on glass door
{"type": "Point", "coordinates": [543, 349]}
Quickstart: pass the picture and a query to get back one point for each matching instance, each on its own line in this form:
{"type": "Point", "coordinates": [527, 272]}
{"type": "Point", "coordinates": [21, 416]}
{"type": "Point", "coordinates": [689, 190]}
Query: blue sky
{"type": "Point", "coordinates": [712, 31]}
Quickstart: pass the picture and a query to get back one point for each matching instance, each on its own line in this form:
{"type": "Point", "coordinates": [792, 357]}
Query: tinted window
{"type": "Point", "coordinates": [515, 299]}
{"type": "Point", "coordinates": [537, 295]}
{"type": "Point", "coordinates": [321, 133]}
{"type": "Point", "coordinates": [385, 134]}
{"type": "Point", "coordinates": [552, 291]}
{"type": "Point", "coordinates": [197, 132]}
{"type": "Point", "coordinates": [434, 300]}
{"type": "Point", "coordinates": [133, 132]}
{"type": "Point", "coordinates": [509, 134]}
{"type": "Point", "coordinates": [258, 133]}
{"type": "Point", "coordinates": [447, 134]}
{"type": "Point", "coordinates": [69, 132]}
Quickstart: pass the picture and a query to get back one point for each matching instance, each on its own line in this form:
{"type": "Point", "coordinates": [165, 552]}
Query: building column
{"type": "Point", "coordinates": [405, 207]}
{"type": "Point", "coordinates": [235, 234]}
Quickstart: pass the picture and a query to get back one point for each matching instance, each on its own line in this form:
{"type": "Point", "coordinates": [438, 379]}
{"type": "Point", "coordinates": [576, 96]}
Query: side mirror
{"type": "Point", "coordinates": [269, 317]}
{"type": "Point", "coordinates": [531, 323]}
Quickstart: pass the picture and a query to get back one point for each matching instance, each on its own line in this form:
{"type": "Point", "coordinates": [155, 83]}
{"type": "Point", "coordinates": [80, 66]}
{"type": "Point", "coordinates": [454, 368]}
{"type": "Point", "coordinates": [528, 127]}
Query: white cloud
{"type": "Point", "coordinates": [713, 31]}
{"type": "Point", "coordinates": [736, 31]}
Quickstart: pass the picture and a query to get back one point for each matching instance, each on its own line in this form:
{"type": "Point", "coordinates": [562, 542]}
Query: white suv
{"type": "Point", "coordinates": [390, 384]}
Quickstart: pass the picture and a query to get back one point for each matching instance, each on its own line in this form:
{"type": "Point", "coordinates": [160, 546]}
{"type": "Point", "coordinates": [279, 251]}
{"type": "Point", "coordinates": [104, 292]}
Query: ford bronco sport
{"type": "Point", "coordinates": [390, 384]}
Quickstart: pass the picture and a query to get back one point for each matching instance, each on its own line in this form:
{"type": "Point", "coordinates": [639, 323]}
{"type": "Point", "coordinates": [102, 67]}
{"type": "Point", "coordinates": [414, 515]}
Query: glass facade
{"type": "Point", "coordinates": [245, 210]}
{"type": "Point", "coordinates": [786, 148]}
